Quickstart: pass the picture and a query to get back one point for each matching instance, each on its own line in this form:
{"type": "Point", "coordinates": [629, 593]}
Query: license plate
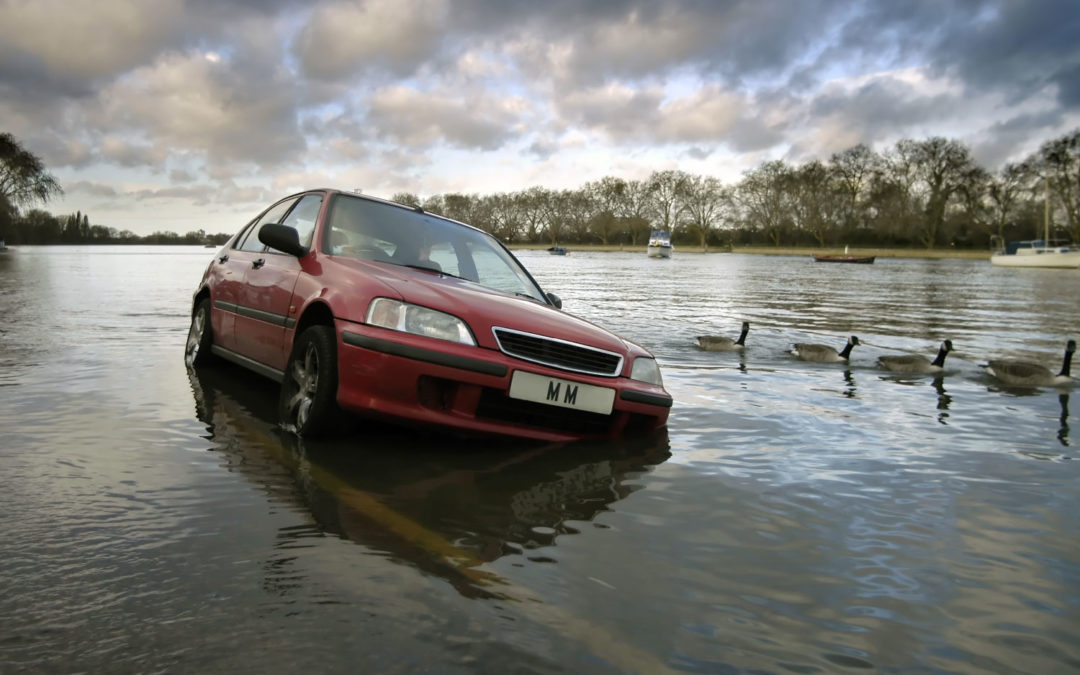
{"type": "Point", "coordinates": [562, 393]}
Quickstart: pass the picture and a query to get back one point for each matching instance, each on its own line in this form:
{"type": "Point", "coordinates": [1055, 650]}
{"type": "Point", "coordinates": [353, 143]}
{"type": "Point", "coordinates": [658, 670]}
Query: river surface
{"type": "Point", "coordinates": [792, 518]}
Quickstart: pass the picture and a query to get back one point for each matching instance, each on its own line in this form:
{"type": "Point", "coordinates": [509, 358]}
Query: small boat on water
{"type": "Point", "coordinates": [1045, 252]}
{"type": "Point", "coordinates": [558, 250]}
{"type": "Point", "coordinates": [660, 244]}
{"type": "Point", "coordinates": [1035, 253]}
{"type": "Point", "coordinates": [857, 259]}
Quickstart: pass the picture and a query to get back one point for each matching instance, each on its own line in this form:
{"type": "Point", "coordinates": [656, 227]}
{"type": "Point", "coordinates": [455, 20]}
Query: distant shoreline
{"type": "Point", "coordinates": [932, 253]}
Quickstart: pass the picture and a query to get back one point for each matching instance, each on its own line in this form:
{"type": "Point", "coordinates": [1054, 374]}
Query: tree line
{"type": "Point", "coordinates": [917, 193]}
{"type": "Point", "coordinates": [926, 193]}
{"type": "Point", "coordinates": [40, 227]}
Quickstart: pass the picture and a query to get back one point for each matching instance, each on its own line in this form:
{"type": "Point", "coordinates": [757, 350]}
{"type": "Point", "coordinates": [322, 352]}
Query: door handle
{"type": "Point", "coordinates": [258, 263]}
{"type": "Point", "coordinates": [223, 259]}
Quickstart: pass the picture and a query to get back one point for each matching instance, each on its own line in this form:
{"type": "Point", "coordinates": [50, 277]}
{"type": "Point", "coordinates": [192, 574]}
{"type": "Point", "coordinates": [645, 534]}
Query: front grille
{"type": "Point", "coordinates": [558, 353]}
{"type": "Point", "coordinates": [494, 405]}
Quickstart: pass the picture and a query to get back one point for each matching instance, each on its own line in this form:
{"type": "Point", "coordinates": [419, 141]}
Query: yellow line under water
{"type": "Point", "coordinates": [599, 640]}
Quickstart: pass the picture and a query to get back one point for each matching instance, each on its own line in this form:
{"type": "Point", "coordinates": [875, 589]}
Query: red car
{"type": "Point", "coordinates": [366, 306]}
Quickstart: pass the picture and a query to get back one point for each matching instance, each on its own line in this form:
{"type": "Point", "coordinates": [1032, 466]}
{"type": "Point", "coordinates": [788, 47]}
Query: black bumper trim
{"type": "Point", "coordinates": [649, 399]}
{"type": "Point", "coordinates": [427, 355]}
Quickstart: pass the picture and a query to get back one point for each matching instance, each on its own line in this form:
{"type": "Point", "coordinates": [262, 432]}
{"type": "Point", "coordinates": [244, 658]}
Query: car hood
{"type": "Point", "coordinates": [484, 308]}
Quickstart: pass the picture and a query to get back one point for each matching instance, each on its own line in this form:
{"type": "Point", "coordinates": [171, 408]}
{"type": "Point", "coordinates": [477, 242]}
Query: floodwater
{"type": "Point", "coordinates": [792, 517]}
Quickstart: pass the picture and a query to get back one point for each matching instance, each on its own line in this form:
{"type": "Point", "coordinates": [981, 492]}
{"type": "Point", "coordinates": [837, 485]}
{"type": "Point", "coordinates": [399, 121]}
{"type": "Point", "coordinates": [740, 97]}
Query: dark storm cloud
{"type": "Point", "coordinates": [225, 87]}
{"type": "Point", "coordinates": [639, 38]}
{"type": "Point", "coordinates": [882, 106]}
{"type": "Point", "coordinates": [997, 145]}
{"type": "Point", "coordinates": [1015, 47]}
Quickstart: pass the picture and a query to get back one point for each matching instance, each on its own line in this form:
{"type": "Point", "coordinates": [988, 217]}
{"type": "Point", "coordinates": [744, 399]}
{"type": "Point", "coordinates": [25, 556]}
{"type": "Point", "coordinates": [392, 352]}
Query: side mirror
{"type": "Point", "coordinates": [554, 299]}
{"type": "Point", "coordinates": [283, 238]}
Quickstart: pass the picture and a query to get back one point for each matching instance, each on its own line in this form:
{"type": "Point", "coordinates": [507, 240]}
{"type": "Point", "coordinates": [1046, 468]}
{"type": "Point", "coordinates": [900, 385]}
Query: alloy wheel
{"type": "Point", "coordinates": [305, 376]}
{"type": "Point", "coordinates": [195, 336]}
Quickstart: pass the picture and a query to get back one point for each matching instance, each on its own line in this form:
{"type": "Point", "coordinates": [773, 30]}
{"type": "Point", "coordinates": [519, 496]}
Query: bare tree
{"type": "Point", "coordinates": [533, 211]}
{"type": "Point", "coordinates": [763, 197]}
{"type": "Point", "coordinates": [608, 196]}
{"type": "Point", "coordinates": [667, 191]}
{"type": "Point", "coordinates": [939, 167]}
{"type": "Point", "coordinates": [406, 198]}
{"type": "Point", "coordinates": [505, 215]}
{"type": "Point", "coordinates": [1059, 161]}
{"type": "Point", "coordinates": [706, 200]}
{"type": "Point", "coordinates": [853, 171]}
{"type": "Point", "coordinates": [637, 204]}
{"type": "Point", "coordinates": [816, 203]}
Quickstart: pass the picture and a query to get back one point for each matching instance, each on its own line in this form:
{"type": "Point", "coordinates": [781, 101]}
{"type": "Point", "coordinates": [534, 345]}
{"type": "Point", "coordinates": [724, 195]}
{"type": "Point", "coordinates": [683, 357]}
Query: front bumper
{"type": "Point", "coordinates": [416, 379]}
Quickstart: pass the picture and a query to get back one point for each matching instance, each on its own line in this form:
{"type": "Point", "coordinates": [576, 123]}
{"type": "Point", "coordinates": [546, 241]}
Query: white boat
{"type": "Point", "coordinates": [1036, 253]}
{"type": "Point", "coordinates": [660, 244]}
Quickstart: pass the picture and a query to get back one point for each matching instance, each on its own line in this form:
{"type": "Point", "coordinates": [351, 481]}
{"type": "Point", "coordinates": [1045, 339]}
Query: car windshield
{"type": "Point", "coordinates": [372, 230]}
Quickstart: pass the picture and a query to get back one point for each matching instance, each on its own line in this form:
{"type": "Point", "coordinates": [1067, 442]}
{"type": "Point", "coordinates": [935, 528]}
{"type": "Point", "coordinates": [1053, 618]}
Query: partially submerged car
{"type": "Point", "coordinates": [359, 305]}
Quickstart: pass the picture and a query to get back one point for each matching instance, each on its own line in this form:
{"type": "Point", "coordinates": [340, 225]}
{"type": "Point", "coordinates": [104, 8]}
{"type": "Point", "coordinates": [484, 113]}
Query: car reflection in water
{"type": "Point", "coordinates": [444, 505]}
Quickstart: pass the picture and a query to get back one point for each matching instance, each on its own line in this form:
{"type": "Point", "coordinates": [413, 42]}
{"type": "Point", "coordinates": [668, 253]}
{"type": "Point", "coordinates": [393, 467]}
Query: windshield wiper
{"type": "Point", "coordinates": [427, 268]}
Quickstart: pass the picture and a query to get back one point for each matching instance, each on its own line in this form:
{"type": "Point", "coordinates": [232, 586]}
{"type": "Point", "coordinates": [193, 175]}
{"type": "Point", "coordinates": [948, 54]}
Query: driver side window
{"type": "Point", "coordinates": [251, 241]}
{"type": "Point", "coordinates": [302, 218]}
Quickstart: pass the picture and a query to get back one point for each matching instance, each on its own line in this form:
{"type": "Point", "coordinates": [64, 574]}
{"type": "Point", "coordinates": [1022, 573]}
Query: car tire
{"type": "Point", "coordinates": [308, 400]}
{"type": "Point", "coordinates": [200, 336]}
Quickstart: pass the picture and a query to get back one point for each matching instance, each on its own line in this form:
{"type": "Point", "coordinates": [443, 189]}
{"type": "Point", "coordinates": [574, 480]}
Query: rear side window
{"type": "Point", "coordinates": [277, 211]}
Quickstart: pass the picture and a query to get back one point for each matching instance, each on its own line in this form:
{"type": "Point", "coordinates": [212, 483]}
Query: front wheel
{"type": "Point", "coordinates": [308, 400]}
{"type": "Point", "coordinates": [200, 336]}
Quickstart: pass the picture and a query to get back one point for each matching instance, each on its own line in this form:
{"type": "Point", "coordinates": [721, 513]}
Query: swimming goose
{"type": "Point", "coordinates": [916, 363]}
{"type": "Point", "coordinates": [823, 353]}
{"type": "Point", "coordinates": [1032, 374]}
{"type": "Point", "coordinates": [718, 343]}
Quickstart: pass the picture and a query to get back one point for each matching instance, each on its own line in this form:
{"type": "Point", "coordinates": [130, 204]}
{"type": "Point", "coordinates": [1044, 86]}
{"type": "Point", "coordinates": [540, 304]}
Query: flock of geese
{"type": "Point", "coordinates": [1007, 371]}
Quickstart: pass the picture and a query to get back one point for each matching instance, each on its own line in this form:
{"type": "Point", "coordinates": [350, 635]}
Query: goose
{"type": "Point", "coordinates": [1032, 374]}
{"type": "Point", "coordinates": [916, 363]}
{"type": "Point", "coordinates": [718, 343]}
{"type": "Point", "coordinates": [823, 353]}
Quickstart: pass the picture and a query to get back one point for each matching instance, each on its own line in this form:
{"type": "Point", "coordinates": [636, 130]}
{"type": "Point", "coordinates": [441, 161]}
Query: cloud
{"type": "Point", "coordinates": [421, 119]}
{"type": "Point", "coordinates": [91, 188]}
{"type": "Point", "coordinates": [343, 40]}
{"type": "Point", "coordinates": [197, 105]}
{"type": "Point", "coordinates": [234, 97]}
{"type": "Point", "coordinates": [68, 48]}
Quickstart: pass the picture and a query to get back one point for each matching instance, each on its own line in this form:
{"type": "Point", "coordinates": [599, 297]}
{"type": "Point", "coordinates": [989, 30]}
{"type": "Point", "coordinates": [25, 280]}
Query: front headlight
{"type": "Point", "coordinates": [397, 315]}
{"type": "Point", "coordinates": [646, 370]}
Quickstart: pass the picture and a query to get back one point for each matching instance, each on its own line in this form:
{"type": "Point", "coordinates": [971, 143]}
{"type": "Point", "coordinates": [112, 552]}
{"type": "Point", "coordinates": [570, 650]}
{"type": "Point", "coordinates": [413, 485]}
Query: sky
{"type": "Point", "coordinates": [183, 115]}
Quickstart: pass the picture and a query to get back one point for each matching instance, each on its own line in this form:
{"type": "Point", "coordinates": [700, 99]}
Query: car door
{"type": "Point", "coordinates": [227, 281]}
{"type": "Point", "coordinates": [267, 307]}
{"type": "Point", "coordinates": [231, 295]}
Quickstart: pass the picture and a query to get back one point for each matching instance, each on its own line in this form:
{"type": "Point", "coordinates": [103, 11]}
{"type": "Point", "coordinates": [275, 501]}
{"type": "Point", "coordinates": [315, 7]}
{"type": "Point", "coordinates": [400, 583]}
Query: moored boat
{"type": "Point", "coordinates": [858, 260]}
{"type": "Point", "coordinates": [846, 258]}
{"type": "Point", "coordinates": [1036, 253]}
{"type": "Point", "coordinates": [1045, 252]}
{"type": "Point", "coordinates": [660, 244]}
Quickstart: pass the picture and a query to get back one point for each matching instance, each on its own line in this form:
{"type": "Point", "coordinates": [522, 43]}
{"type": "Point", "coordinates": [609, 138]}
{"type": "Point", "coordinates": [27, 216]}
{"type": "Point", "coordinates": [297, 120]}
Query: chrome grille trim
{"type": "Point", "coordinates": [555, 353]}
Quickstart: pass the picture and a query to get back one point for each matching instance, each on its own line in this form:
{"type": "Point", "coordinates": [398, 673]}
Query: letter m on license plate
{"type": "Point", "coordinates": [562, 393]}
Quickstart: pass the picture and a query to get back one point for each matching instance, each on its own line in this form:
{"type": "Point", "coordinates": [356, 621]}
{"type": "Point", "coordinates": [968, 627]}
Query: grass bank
{"type": "Point", "coordinates": [787, 250]}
